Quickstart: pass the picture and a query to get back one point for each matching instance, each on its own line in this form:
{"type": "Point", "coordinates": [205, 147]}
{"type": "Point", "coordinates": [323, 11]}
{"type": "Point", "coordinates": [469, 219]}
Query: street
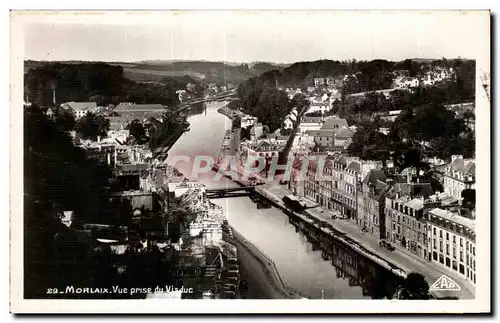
{"type": "Point", "coordinates": [402, 259]}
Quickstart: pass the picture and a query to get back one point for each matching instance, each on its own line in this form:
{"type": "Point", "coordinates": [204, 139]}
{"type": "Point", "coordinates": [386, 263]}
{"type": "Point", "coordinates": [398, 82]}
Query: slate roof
{"type": "Point", "coordinates": [454, 218]}
{"type": "Point", "coordinates": [373, 176]}
{"type": "Point", "coordinates": [354, 165]}
{"type": "Point", "coordinates": [124, 107]}
{"type": "Point", "coordinates": [461, 165]}
{"type": "Point", "coordinates": [312, 119]}
{"type": "Point", "coordinates": [411, 189]}
{"type": "Point", "coordinates": [344, 132]}
{"type": "Point", "coordinates": [78, 106]}
{"type": "Point", "coordinates": [333, 123]}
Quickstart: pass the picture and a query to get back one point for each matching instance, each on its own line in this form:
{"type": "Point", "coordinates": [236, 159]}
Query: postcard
{"type": "Point", "coordinates": [250, 161]}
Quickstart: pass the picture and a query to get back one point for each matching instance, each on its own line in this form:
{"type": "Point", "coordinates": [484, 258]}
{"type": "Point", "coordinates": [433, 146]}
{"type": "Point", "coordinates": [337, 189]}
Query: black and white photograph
{"type": "Point", "coordinates": [312, 157]}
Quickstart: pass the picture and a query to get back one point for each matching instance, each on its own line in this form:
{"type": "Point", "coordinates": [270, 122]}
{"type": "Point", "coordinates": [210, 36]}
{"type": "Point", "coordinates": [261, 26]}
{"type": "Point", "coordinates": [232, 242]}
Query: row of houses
{"type": "Point", "coordinates": [434, 227]}
{"type": "Point", "coordinates": [325, 133]}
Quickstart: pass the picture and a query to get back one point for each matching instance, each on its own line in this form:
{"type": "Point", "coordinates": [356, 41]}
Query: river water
{"type": "Point", "coordinates": [268, 228]}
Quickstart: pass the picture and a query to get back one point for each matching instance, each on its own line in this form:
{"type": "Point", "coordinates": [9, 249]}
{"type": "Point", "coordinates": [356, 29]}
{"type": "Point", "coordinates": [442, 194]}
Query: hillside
{"type": "Point", "coordinates": [364, 75]}
{"type": "Point", "coordinates": [205, 71]}
{"type": "Point", "coordinates": [99, 82]}
{"type": "Point", "coordinates": [209, 72]}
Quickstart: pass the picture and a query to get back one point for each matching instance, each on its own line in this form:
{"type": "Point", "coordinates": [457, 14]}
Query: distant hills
{"type": "Point", "coordinates": [204, 71]}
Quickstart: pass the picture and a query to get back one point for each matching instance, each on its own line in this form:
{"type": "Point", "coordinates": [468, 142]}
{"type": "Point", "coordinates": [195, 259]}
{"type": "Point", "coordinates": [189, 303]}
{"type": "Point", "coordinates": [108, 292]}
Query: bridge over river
{"type": "Point", "coordinates": [301, 266]}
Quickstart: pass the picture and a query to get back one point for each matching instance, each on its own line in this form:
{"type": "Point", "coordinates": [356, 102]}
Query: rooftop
{"type": "Point", "coordinates": [79, 106]}
{"type": "Point", "coordinates": [463, 165]}
{"type": "Point", "coordinates": [124, 107]}
{"type": "Point", "coordinates": [334, 123]}
{"type": "Point", "coordinates": [454, 217]}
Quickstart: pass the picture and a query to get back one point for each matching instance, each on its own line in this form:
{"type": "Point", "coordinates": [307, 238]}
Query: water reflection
{"type": "Point", "coordinates": [302, 268]}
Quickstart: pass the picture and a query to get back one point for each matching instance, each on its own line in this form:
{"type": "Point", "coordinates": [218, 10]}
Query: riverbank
{"type": "Point", "coordinates": [262, 269]}
{"type": "Point", "coordinates": [231, 114]}
{"type": "Point", "coordinates": [398, 261]}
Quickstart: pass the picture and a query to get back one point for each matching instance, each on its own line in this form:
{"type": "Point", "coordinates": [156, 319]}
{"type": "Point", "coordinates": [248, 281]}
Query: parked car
{"type": "Point", "coordinates": [386, 245]}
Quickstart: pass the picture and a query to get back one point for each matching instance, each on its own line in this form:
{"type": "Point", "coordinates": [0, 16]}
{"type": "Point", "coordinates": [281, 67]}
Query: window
{"type": "Point", "coordinates": [461, 255]}
{"type": "Point", "coordinates": [454, 252]}
{"type": "Point", "coordinates": [447, 236]}
{"type": "Point", "coordinates": [454, 239]}
{"type": "Point", "coordinates": [474, 265]}
{"type": "Point", "coordinates": [454, 265]}
{"type": "Point", "coordinates": [441, 246]}
{"type": "Point", "coordinates": [462, 269]}
{"type": "Point", "coordinates": [435, 246]}
{"type": "Point", "coordinates": [467, 245]}
{"type": "Point", "coordinates": [419, 225]}
{"type": "Point", "coordinates": [447, 250]}
{"type": "Point", "coordinates": [473, 251]}
{"type": "Point", "coordinates": [461, 242]}
{"type": "Point", "coordinates": [440, 233]}
{"type": "Point", "coordinates": [435, 255]}
{"type": "Point", "coordinates": [447, 262]}
{"type": "Point", "coordinates": [434, 230]}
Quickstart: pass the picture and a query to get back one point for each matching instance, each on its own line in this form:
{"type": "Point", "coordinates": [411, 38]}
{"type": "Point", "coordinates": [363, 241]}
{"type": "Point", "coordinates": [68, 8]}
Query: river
{"type": "Point", "coordinates": [301, 268]}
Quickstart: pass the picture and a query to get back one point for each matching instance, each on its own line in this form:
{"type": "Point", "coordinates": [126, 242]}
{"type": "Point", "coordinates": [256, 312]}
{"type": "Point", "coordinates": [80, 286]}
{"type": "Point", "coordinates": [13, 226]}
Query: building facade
{"type": "Point", "coordinates": [406, 224]}
{"type": "Point", "coordinates": [459, 175]}
{"type": "Point", "coordinates": [452, 241]}
{"type": "Point", "coordinates": [336, 187]}
{"type": "Point", "coordinates": [371, 203]}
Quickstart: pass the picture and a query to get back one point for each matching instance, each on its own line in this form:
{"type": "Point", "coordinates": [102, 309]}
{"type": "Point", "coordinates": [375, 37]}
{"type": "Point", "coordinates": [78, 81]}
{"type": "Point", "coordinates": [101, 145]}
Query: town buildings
{"type": "Point", "coordinates": [452, 242]}
{"type": "Point", "coordinates": [371, 202]}
{"type": "Point", "coordinates": [406, 224]}
{"type": "Point", "coordinates": [459, 175]}
{"type": "Point", "coordinates": [80, 109]}
{"type": "Point", "coordinates": [256, 131]}
{"type": "Point", "coordinates": [310, 123]}
{"type": "Point", "coordinates": [336, 188]}
{"type": "Point", "coordinates": [247, 121]}
{"type": "Point", "coordinates": [290, 119]}
{"type": "Point", "coordinates": [265, 148]}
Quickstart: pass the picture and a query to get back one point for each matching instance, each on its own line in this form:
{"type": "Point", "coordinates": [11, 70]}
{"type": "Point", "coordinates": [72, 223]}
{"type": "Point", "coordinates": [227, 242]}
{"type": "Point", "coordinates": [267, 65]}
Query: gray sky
{"type": "Point", "coordinates": [255, 36]}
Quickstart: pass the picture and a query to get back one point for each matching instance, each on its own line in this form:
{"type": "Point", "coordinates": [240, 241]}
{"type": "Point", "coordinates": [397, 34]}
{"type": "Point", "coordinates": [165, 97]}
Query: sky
{"type": "Point", "coordinates": [248, 36]}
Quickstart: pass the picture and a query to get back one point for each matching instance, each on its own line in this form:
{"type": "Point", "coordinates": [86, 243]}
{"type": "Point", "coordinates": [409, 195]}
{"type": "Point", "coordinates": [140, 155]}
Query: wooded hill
{"type": "Point", "coordinates": [98, 82]}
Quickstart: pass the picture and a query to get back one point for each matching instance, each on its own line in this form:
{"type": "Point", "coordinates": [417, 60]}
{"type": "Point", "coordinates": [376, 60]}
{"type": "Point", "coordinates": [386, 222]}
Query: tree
{"type": "Point", "coordinates": [469, 198]}
{"type": "Point", "coordinates": [65, 119]}
{"type": "Point", "coordinates": [414, 287]}
{"type": "Point", "coordinates": [92, 126]}
{"type": "Point", "coordinates": [236, 123]}
{"type": "Point", "coordinates": [58, 177]}
{"type": "Point", "coordinates": [137, 130]}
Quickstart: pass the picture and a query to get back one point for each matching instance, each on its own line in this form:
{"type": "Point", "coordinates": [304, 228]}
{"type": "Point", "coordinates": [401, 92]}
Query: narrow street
{"type": "Point", "coordinates": [402, 259]}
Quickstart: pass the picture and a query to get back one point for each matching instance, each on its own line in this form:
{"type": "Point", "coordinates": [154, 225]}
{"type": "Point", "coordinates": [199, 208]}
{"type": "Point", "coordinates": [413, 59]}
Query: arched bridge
{"type": "Point", "coordinates": [229, 192]}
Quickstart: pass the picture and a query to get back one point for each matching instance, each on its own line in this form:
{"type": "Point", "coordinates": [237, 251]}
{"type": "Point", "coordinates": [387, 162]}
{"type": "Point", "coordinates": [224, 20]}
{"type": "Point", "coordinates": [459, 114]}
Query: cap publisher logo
{"type": "Point", "coordinates": [445, 283]}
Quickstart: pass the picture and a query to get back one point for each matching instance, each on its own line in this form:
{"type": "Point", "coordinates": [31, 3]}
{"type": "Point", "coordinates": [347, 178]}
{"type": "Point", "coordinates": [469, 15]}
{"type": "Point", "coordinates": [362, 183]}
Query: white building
{"type": "Point", "coordinates": [80, 109]}
{"type": "Point", "coordinates": [459, 175]}
{"type": "Point", "coordinates": [322, 106]}
{"type": "Point", "coordinates": [310, 123]}
{"type": "Point", "coordinates": [290, 119]}
{"type": "Point", "coordinates": [247, 121]}
{"type": "Point", "coordinates": [452, 242]}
